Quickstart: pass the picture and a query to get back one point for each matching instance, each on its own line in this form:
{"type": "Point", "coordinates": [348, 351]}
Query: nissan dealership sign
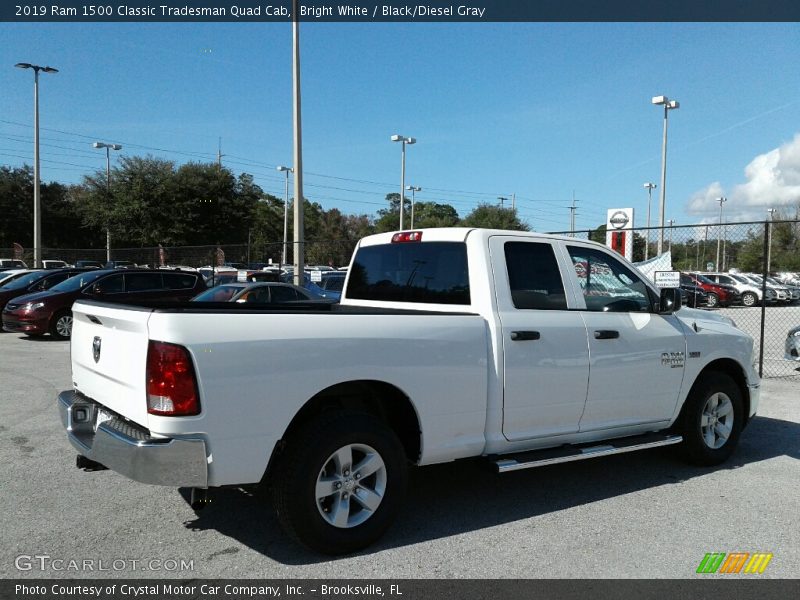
{"type": "Point", "coordinates": [618, 234]}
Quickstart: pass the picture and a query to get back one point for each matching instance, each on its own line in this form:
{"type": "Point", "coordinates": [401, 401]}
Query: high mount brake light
{"type": "Point", "coordinates": [171, 382]}
{"type": "Point", "coordinates": [407, 236]}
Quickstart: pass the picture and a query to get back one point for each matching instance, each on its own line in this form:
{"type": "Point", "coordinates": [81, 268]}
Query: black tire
{"type": "Point", "coordinates": [700, 445]}
{"type": "Point", "coordinates": [749, 299]}
{"type": "Point", "coordinates": [309, 455]}
{"type": "Point", "coordinates": [61, 325]}
{"type": "Point", "coordinates": [713, 300]}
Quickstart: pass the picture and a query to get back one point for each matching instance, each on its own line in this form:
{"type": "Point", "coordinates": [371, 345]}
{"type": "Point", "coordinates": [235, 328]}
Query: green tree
{"type": "Point", "coordinates": [433, 214]}
{"type": "Point", "coordinates": [494, 217]}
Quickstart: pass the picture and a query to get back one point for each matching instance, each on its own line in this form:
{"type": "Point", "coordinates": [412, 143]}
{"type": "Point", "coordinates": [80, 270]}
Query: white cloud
{"type": "Point", "coordinates": [773, 181]}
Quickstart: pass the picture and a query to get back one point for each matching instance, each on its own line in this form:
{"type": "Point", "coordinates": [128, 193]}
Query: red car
{"type": "Point", "coordinates": [51, 311]}
{"type": "Point", "coordinates": [718, 294]}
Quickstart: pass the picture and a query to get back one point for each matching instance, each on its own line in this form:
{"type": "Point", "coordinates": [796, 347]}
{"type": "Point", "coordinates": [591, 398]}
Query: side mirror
{"type": "Point", "coordinates": [669, 301]}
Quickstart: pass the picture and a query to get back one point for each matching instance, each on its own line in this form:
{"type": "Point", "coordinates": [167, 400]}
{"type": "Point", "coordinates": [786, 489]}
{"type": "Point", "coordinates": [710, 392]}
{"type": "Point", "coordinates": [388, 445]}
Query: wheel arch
{"type": "Point", "coordinates": [378, 398]}
{"type": "Point", "coordinates": [735, 371]}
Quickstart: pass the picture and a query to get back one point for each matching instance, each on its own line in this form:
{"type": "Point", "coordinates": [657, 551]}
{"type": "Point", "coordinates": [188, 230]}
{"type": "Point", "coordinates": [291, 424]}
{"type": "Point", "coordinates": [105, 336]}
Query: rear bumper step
{"type": "Point", "coordinates": [105, 438]}
{"type": "Point", "coordinates": [554, 456]}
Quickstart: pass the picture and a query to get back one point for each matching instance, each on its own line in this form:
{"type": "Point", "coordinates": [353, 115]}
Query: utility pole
{"type": "Point", "coordinates": [572, 210]}
{"type": "Point", "coordinates": [671, 223]}
{"type": "Point", "coordinates": [514, 201]}
{"type": "Point", "coordinates": [502, 201]}
{"type": "Point", "coordinates": [219, 154]}
{"type": "Point", "coordinates": [719, 231]}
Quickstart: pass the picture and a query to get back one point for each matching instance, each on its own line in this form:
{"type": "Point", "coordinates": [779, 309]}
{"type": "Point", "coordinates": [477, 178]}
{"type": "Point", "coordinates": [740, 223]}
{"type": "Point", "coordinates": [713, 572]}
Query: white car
{"type": "Point", "coordinates": [751, 294]}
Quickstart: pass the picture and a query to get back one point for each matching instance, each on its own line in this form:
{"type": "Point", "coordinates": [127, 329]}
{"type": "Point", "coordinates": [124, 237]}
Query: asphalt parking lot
{"type": "Point", "coordinates": [636, 515]}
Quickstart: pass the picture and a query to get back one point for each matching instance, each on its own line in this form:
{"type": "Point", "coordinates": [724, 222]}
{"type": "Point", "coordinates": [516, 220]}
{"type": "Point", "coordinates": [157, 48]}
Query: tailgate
{"type": "Point", "coordinates": [109, 355]}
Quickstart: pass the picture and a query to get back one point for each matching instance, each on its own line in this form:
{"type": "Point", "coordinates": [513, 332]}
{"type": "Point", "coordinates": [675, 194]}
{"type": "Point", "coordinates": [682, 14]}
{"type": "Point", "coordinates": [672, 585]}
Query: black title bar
{"type": "Point", "coordinates": [393, 11]}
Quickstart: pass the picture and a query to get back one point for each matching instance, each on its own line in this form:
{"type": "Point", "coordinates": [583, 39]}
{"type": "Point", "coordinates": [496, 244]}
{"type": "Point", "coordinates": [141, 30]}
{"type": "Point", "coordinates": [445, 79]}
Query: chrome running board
{"type": "Point", "coordinates": [563, 454]}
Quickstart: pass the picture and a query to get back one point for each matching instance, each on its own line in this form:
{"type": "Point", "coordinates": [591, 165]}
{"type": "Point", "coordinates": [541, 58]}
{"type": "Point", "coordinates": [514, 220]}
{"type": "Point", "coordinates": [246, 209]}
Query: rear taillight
{"type": "Point", "coordinates": [171, 384]}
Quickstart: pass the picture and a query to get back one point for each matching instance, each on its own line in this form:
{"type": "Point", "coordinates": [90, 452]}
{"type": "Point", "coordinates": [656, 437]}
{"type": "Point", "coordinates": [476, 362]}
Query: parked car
{"type": "Point", "coordinates": [313, 287]}
{"type": "Point", "coordinates": [34, 281]}
{"type": "Point", "coordinates": [333, 281]}
{"type": "Point", "coordinates": [792, 290]}
{"type": "Point", "coordinates": [51, 311]}
{"type": "Point", "coordinates": [54, 264]}
{"type": "Point", "coordinates": [11, 274]}
{"type": "Point", "coordinates": [12, 263]}
{"type": "Point", "coordinates": [718, 294]}
{"type": "Point", "coordinates": [89, 264]}
{"type": "Point", "coordinates": [261, 293]}
{"type": "Point", "coordinates": [771, 296]}
{"type": "Point", "coordinates": [781, 294]}
{"type": "Point", "coordinates": [693, 295]}
{"type": "Point", "coordinates": [751, 294]}
{"type": "Point", "coordinates": [120, 264]}
{"type": "Point", "coordinates": [793, 344]}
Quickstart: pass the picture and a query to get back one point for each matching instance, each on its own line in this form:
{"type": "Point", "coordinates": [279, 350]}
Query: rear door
{"type": "Point", "coordinates": [545, 352]}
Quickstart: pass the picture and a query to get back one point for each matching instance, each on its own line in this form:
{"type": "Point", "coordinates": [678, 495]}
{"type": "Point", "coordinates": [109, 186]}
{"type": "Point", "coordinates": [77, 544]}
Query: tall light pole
{"type": "Point", "coordinates": [108, 148]}
{"type": "Point", "coordinates": [299, 231]}
{"type": "Point", "coordinates": [719, 231]}
{"type": "Point", "coordinates": [412, 189]}
{"type": "Point", "coordinates": [771, 212]}
{"type": "Point", "coordinates": [37, 212]}
{"type": "Point", "coordinates": [285, 250]}
{"type": "Point", "coordinates": [668, 106]}
{"type": "Point", "coordinates": [403, 140]}
{"type": "Point", "coordinates": [649, 187]}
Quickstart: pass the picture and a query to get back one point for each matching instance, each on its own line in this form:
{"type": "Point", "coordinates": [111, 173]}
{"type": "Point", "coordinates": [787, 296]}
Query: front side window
{"type": "Point", "coordinates": [534, 276]}
{"type": "Point", "coordinates": [607, 284]}
{"type": "Point", "coordinates": [429, 272]}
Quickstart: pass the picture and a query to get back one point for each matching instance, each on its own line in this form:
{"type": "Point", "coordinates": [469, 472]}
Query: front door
{"type": "Point", "coordinates": [636, 355]}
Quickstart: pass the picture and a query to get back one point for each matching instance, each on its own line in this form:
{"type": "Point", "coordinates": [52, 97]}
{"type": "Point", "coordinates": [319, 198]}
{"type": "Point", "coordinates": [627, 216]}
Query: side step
{"type": "Point", "coordinates": [554, 456]}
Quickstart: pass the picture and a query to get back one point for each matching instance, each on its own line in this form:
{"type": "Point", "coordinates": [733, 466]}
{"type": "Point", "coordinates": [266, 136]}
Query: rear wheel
{"type": "Point", "coordinates": [749, 299]}
{"type": "Point", "coordinates": [713, 300]}
{"type": "Point", "coordinates": [712, 419]}
{"type": "Point", "coordinates": [340, 482]}
{"type": "Point", "coordinates": [61, 325]}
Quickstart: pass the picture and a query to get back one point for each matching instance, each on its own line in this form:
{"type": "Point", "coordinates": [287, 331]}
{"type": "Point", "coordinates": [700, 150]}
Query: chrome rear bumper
{"type": "Point", "coordinates": [128, 448]}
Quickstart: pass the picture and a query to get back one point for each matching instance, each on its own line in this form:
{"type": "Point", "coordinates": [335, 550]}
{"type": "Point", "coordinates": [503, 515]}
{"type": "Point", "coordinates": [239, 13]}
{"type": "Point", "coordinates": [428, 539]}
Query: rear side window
{"type": "Point", "coordinates": [534, 277]}
{"type": "Point", "coordinates": [283, 294]}
{"type": "Point", "coordinates": [429, 272]}
{"type": "Point", "coordinates": [180, 281]}
{"type": "Point", "coordinates": [142, 282]}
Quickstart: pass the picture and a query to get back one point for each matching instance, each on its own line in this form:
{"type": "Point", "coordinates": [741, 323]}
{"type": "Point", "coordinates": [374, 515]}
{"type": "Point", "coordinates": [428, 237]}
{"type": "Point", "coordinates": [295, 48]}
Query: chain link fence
{"type": "Point", "coordinates": [729, 263]}
{"type": "Point", "coordinates": [734, 257]}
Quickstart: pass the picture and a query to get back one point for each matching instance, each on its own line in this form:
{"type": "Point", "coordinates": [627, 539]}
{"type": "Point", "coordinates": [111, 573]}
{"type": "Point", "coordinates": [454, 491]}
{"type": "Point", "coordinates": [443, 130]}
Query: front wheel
{"type": "Point", "coordinates": [61, 325]}
{"type": "Point", "coordinates": [340, 482]}
{"type": "Point", "coordinates": [713, 300]}
{"type": "Point", "coordinates": [749, 299]}
{"type": "Point", "coordinates": [712, 419]}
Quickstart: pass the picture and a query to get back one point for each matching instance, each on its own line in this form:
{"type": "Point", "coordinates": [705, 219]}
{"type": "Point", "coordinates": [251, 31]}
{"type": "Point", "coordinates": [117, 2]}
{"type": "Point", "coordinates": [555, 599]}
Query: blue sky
{"type": "Point", "coordinates": [539, 110]}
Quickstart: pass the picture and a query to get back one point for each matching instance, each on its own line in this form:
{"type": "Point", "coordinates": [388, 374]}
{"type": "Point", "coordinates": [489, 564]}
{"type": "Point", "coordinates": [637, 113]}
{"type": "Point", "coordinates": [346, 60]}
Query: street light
{"type": "Point", "coordinates": [286, 170]}
{"type": "Point", "coordinates": [649, 187]}
{"type": "Point", "coordinates": [403, 140]}
{"type": "Point", "coordinates": [108, 148]}
{"type": "Point", "coordinates": [37, 213]}
{"type": "Point", "coordinates": [668, 106]}
{"type": "Point", "coordinates": [719, 231]}
{"type": "Point", "coordinates": [412, 189]}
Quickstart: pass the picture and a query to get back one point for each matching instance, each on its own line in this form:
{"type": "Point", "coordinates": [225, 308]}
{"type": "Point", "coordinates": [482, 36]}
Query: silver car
{"type": "Point", "coordinates": [793, 344]}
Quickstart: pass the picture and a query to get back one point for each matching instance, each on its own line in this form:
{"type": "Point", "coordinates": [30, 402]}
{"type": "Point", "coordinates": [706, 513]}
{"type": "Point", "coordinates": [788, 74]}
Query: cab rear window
{"type": "Point", "coordinates": [428, 272]}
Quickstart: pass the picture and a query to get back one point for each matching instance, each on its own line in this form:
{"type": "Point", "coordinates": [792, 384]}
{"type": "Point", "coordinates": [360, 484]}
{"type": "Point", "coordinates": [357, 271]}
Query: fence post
{"type": "Point", "coordinates": [767, 233]}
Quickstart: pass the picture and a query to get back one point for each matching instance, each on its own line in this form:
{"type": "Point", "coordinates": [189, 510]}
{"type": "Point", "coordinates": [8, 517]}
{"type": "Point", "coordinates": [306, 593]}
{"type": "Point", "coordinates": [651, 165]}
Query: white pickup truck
{"type": "Point", "coordinates": [522, 348]}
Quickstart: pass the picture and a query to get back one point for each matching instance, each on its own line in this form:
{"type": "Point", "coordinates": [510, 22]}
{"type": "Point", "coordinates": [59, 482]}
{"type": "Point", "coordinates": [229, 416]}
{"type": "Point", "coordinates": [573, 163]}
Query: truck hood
{"type": "Point", "coordinates": [691, 316]}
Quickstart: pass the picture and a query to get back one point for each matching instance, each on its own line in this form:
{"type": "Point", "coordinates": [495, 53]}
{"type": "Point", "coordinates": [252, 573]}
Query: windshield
{"type": "Point", "coordinates": [24, 281]}
{"type": "Point", "coordinates": [73, 284]}
{"type": "Point", "coordinates": [220, 293]}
